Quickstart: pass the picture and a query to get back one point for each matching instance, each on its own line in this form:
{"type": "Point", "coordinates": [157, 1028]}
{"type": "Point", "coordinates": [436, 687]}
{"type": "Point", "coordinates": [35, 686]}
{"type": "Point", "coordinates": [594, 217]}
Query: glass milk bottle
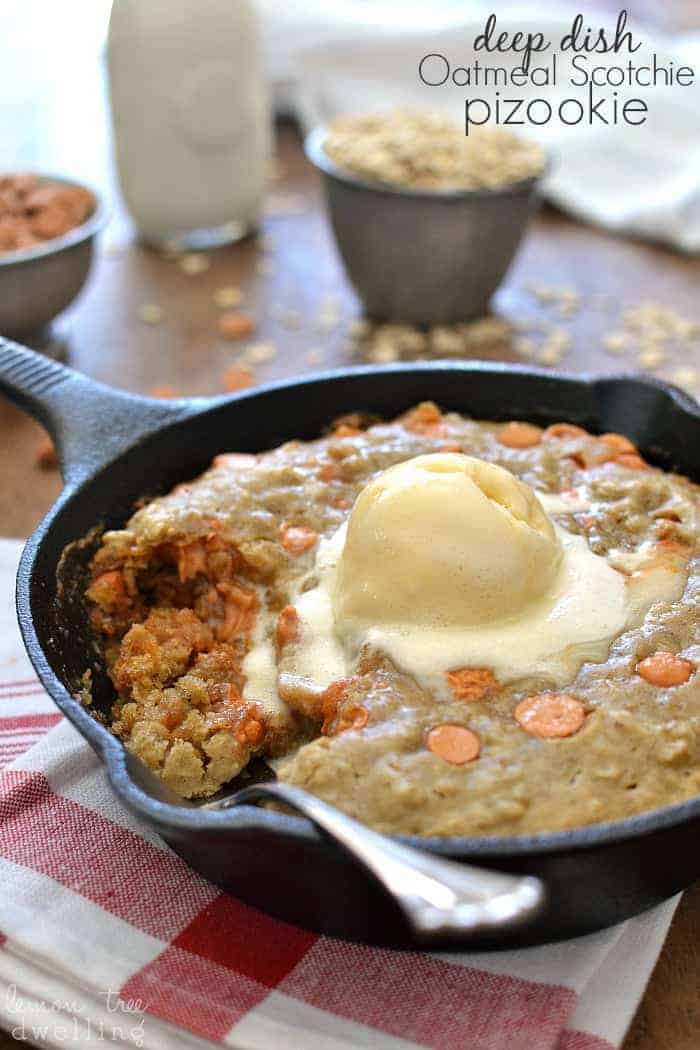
{"type": "Point", "coordinates": [190, 116]}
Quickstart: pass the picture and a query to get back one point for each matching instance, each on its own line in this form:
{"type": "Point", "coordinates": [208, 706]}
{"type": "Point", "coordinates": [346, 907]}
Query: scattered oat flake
{"type": "Point", "coordinates": [329, 315]}
{"type": "Point", "coordinates": [360, 327]}
{"type": "Point", "coordinates": [236, 378]}
{"type": "Point", "coordinates": [651, 321]}
{"type": "Point", "coordinates": [686, 329]}
{"type": "Point", "coordinates": [543, 293]}
{"type": "Point", "coordinates": [383, 353]}
{"type": "Point", "coordinates": [150, 313]}
{"type": "Point", "coordinates": [406, 338]}
{"type": "Point", "coordinates": [194, 263]}
{"type": "Point", "coordinates": [565, 301]}
{"type": "Point", "coordinates": [258, 353]}
{"type": "Point", "coordinates": [651, 357]}
{"type": "Point", "coordinates": [525, 347]}
{"type": "Point", "coordinates": [446, 341]}
{"type": "Point", "coordinates": [549, 356]}
{"type": "Point", "coordinates": [685, 376]}
{"type": "Point", "coordinates": [235, 325]}
{"type": "Point", "coordinates": [487, 330]}
{"type": "Point", "coordinates": [559, 338]}
{"type": "Point", "coordinates": [226, 298]}
{"type": "Point", "coordinates": [616, 342]}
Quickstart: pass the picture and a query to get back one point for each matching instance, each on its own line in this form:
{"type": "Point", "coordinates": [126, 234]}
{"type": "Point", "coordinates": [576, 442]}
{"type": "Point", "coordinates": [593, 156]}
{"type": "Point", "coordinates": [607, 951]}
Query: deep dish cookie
{"type": "Point", "coordinates": [209, 609]}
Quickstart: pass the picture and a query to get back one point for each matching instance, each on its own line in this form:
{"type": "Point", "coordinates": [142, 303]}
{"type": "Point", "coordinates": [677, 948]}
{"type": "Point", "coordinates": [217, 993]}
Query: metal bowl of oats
{"type": "Point", "coordinates": [427, 220]}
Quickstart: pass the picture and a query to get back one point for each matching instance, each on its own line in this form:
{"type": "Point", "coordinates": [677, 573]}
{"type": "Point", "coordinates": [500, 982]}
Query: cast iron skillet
{"type": "Point", "coordinates": [115, 448]}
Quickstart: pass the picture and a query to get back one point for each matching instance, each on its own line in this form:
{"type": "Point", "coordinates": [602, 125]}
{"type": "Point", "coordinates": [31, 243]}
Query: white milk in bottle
{"type": "Point", "coordinates": [191, 117]}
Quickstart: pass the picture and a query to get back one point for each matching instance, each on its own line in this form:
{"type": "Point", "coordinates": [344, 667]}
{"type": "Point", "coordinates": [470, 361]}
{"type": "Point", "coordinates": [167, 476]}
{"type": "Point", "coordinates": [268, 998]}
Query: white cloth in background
{"type": "Point", "coordinates": [644, 181]}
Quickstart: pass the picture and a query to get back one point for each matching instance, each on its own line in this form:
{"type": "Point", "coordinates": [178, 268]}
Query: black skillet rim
{"type": "Point", "coordinates": [190, 817]}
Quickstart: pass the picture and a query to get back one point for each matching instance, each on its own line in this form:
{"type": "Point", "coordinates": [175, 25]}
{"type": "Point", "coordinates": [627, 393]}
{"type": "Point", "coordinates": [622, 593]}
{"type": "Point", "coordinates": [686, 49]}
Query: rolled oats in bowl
{"type": "Point", "coordinates": [421, 150]}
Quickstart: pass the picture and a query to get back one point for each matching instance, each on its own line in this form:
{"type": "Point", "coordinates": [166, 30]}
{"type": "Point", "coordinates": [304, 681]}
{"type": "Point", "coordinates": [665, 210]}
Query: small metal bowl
{"type": "Point", "coordinates": [38, 283]}
{"type": "Point", "coordinates": [423, 256]}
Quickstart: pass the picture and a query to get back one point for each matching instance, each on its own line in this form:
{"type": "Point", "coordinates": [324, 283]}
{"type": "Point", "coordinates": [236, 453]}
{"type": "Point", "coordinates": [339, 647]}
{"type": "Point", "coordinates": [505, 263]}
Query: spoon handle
{"type": "Point", "coordinates": [439, 898]}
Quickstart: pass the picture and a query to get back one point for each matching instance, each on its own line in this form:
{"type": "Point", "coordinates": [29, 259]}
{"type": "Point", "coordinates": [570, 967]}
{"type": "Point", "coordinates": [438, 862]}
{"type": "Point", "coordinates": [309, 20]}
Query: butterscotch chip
{"type": "Point", "coordinates": [297, 538]}
{"type": "Point", "coordinates": [665, 670]}
{"type": "Point", "coordinates": [330, 472]}
{"type": "Point", "coordinates": [46, 456]}
{"type": "Point", "coordinates": [632, 460]}
{"type": "Point", "coordinates": [425, 418]}
{"type": "Point", "coordinates": [472, 683]}
{"type": "Point", "coordinates": [236, 378]}
{"type": "Point", "coordinates": [519, 435]}
{"type": "Point", "coordinates": [355, 717]}
{"type": "Point", "coordinates": [550, 715]}
{"type": "Point", "coordinates": [564, 430]}
{"type": "Point", "coordinates": [618, 442]}
{"type": "Point", "coordinates": [287, 628]}
{"type": "Point", "coordinates": [453, 743]}
{"type": "Point", "coordinates": [235, 325]}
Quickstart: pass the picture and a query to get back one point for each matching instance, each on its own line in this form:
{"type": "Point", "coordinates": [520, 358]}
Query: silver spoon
{"type": "Point", "coordinates": [439, 898]}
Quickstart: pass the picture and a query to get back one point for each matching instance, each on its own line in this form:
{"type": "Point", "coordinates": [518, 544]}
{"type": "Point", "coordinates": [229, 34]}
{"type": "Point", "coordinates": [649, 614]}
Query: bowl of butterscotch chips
{"type": "Point", "coordinates": [47, 232]}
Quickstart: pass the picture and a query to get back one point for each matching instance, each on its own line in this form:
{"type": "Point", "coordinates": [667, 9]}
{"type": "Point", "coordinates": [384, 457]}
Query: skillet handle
{"type": "Point", "coordinates": [89, 423]}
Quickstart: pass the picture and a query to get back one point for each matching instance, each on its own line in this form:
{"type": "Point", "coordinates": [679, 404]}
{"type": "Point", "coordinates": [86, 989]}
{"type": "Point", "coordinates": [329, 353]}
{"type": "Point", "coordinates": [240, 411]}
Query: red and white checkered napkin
{"type": "Point", "coordinates": [107, 935]}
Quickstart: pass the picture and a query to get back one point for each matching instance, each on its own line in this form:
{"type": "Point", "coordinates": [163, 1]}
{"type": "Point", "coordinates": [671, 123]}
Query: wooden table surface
{"type": "Point", "coordinates": [294, 288]}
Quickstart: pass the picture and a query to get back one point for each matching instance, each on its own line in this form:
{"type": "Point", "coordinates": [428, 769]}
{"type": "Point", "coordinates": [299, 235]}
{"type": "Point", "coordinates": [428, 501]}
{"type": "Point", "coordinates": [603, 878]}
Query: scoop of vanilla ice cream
{"type": "Point", "coordinates": [444, 540]}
